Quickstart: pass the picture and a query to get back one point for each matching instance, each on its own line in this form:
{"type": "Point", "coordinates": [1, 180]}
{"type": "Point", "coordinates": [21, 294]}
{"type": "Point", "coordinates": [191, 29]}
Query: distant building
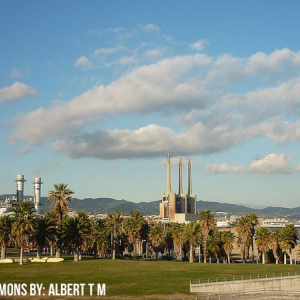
{"type": "Point", "coordinates": [178, 207]}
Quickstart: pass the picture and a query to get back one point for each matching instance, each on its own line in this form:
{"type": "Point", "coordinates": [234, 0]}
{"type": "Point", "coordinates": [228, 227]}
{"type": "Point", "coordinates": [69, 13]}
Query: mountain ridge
{"type": "Point", "coordinates": [105, 205]}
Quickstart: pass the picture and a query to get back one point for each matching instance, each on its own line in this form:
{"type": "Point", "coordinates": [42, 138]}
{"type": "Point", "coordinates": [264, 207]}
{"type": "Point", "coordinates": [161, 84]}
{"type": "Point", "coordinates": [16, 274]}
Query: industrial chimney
{"type": "Point", "coordinates": [37, 183]}
{"type": "Point", "coordinates": [20, 187]}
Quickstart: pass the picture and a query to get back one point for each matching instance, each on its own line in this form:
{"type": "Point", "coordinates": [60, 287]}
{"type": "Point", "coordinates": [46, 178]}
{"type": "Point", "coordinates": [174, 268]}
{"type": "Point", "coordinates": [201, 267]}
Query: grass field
{"type": "Point", "coordinates": [134, 279]}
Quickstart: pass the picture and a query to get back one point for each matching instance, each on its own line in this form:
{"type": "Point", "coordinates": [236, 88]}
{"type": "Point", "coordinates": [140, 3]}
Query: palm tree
{"type": "Point", "coordinates": [104, 240]}
{"type": "Point", "coordinates": [243, 229]}
{"type": "Point", "coordinates": [275, 244]}
{"type": "Point", "coordinates": [207, 224]}
{"type": "Point", "coordinates": [133, 226]}
{"type": "Point", "coordinates": [262, 238]}
{"type": "Point", "coordinates": [60, 198]}
{"type": "Point", "coordinates": [228, 239]}
{"type": "Point", "coordinates": [192, 234]}
{"type": "Point", "coordinates": [97, 226]}
{"type": "Point", "coordinates": [288, 240]}
{"type": "Point", "coordinates": [144, 232]}
{"type": "Point", "coordinates": [167, 240]}
{"type": "Point", "coordinates": [76, 231]}
{"type": "Point", "coordinates": [52, 215]}
{"type": "Point", "coordinates": [5, 233]}
{"type": "Point", "coordinates": [84, 218]}
{"type": "Point", "coordinates": [23, 225]}
{"type": "Point", "coordinates": [155, 237]}
{"type": "Point", "coordinates": [177, 234]}
{"type": "Point", "coordinates": [115, 221]}
{"type": "Point", "coordinates": [214, 246]}
{"type": "Point", "coordinates": [44, 232]}
{"type": "Point", "coordinates": [253, 219]}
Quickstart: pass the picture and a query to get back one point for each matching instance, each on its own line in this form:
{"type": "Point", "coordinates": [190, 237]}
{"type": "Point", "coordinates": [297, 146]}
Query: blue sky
{"type": "Point", "coordinates": [97, 93]}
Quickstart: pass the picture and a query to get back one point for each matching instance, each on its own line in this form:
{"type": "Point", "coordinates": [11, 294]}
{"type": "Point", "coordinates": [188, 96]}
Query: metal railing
{"type": "Point", "coordinates": [251, 294]}
{"type": "Point", "coordinates": [242, 277]}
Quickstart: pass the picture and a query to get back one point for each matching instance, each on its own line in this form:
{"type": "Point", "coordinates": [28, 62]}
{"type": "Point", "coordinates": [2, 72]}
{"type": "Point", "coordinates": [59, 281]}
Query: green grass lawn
{"type": "Point", "coordinates": [130, 278]}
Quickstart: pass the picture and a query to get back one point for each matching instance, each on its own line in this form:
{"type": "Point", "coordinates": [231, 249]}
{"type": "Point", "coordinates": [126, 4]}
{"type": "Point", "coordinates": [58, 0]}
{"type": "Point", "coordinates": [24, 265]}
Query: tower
{"type": "Point", "coordinates": [180, 189]}
{"type": "Point", "coordinates": [189, 177]}
{"type": "Point", "coordinates": [20, 187]}
{"type": "Point", "coordinates": [37, 184]}
{"type": "Point", "coordinates": [168, 174]}
{"type": "Point", "coordinates": [192, 199]}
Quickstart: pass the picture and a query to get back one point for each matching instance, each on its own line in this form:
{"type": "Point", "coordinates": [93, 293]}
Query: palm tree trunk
{"type": "Point", "coordinates": [3, 251]}
{"type": "Point", "coordinates": [21, 256]}
{"type": "Point", "coordinates": [134, 246]}
{"type": "Point", "coordinates": [39, 251]}
{"type": "Point", "coordinates": [191, 253]}
{"type": "Point", "coordinates": [263, 257]}
{"type": "Point", "coordinates": [252, 247]}
{"type": "Point", "coordinates": [59, 244]}
{"type": "Point", "coordinates": [76, 254]}
{"type": "Point", "coordinates": [204, 254]}
{"type": "Point", "coordinates": [285, 258]}
{"type": "Point", "coordinates": [291, 258]}
{"type": "Point", "coordinates": [95, 250]}
{"type": "Point", "coordinates": [228, 258]}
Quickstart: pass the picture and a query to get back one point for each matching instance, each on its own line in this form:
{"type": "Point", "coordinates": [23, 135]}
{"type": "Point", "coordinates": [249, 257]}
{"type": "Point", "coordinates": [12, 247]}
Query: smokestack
{"type": "Point", "coordinates": [189, 178]}
{"type": "Point", "coordinates": [180, 190]}
{"type": "Point", "coordinates": [37, 194]}
{"type": "Point", "coordinates": [20, 187]}
{"type": "Point", "coordinates": [168, 175]}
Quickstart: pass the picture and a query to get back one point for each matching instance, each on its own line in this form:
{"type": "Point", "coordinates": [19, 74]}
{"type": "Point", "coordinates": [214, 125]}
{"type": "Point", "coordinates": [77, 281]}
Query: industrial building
{"type": "Point", "coordinates": [178, 207]}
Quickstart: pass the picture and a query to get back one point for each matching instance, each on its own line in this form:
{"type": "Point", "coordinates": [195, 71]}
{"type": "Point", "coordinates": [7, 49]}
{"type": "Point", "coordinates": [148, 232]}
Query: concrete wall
{"type": "Point", "coordinates": [289, 284]}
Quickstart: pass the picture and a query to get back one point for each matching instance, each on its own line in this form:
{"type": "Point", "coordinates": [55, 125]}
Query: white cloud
{"type": "Point", "coordinates": [150, 27]}
{"type": "Point", "coordinates": [153, 53]}
{"type": "Point", "coordinates": [199, 45]}
{"type": "Point", "coordinates": [223, 168]}
{"type": "Point", "coordinates": [125, 60]}
{"type": "Point", "coordinates": [84, 62]}
{"type": "Point", "coordinates": [16, 91]}
{"type": "Point", "coordinates": [16, 73]}
{"type": "Point", "coordinates": [107, 51]}
{"type": "Point", "coordinates": [271, 164]}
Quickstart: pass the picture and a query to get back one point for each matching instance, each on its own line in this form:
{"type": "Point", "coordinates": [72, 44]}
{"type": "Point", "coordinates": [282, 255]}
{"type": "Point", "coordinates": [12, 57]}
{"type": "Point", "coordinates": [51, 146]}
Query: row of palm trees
{"type": "Point", "coordinates": [116, 233]}
{"type": "Point", "coordinates": [279, 242]}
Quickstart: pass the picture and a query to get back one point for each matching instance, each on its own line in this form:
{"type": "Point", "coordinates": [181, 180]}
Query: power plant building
{"type": "Point", "coordinates": [178, 207]}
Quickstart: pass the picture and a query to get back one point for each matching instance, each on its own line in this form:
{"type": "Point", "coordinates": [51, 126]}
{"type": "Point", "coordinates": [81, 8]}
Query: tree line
{"type": "Point", "coordinates": [118, 234]}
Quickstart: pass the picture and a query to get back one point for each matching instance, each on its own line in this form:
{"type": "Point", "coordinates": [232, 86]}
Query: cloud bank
{"type": "Point", "coordinates": [217, 103]}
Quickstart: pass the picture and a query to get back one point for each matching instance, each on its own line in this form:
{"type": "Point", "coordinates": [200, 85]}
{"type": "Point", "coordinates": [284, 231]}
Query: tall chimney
{"type": "Point", "coordinates": [37, 183]}
{"type": "Point", "coordinates": [168, 175]}
{"type": "Point", "coordinates": [190, 178]}
{"type": "Point", "coordinates": [20, 187]}
{"type": "Point", "coordinates": [180, 190]}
